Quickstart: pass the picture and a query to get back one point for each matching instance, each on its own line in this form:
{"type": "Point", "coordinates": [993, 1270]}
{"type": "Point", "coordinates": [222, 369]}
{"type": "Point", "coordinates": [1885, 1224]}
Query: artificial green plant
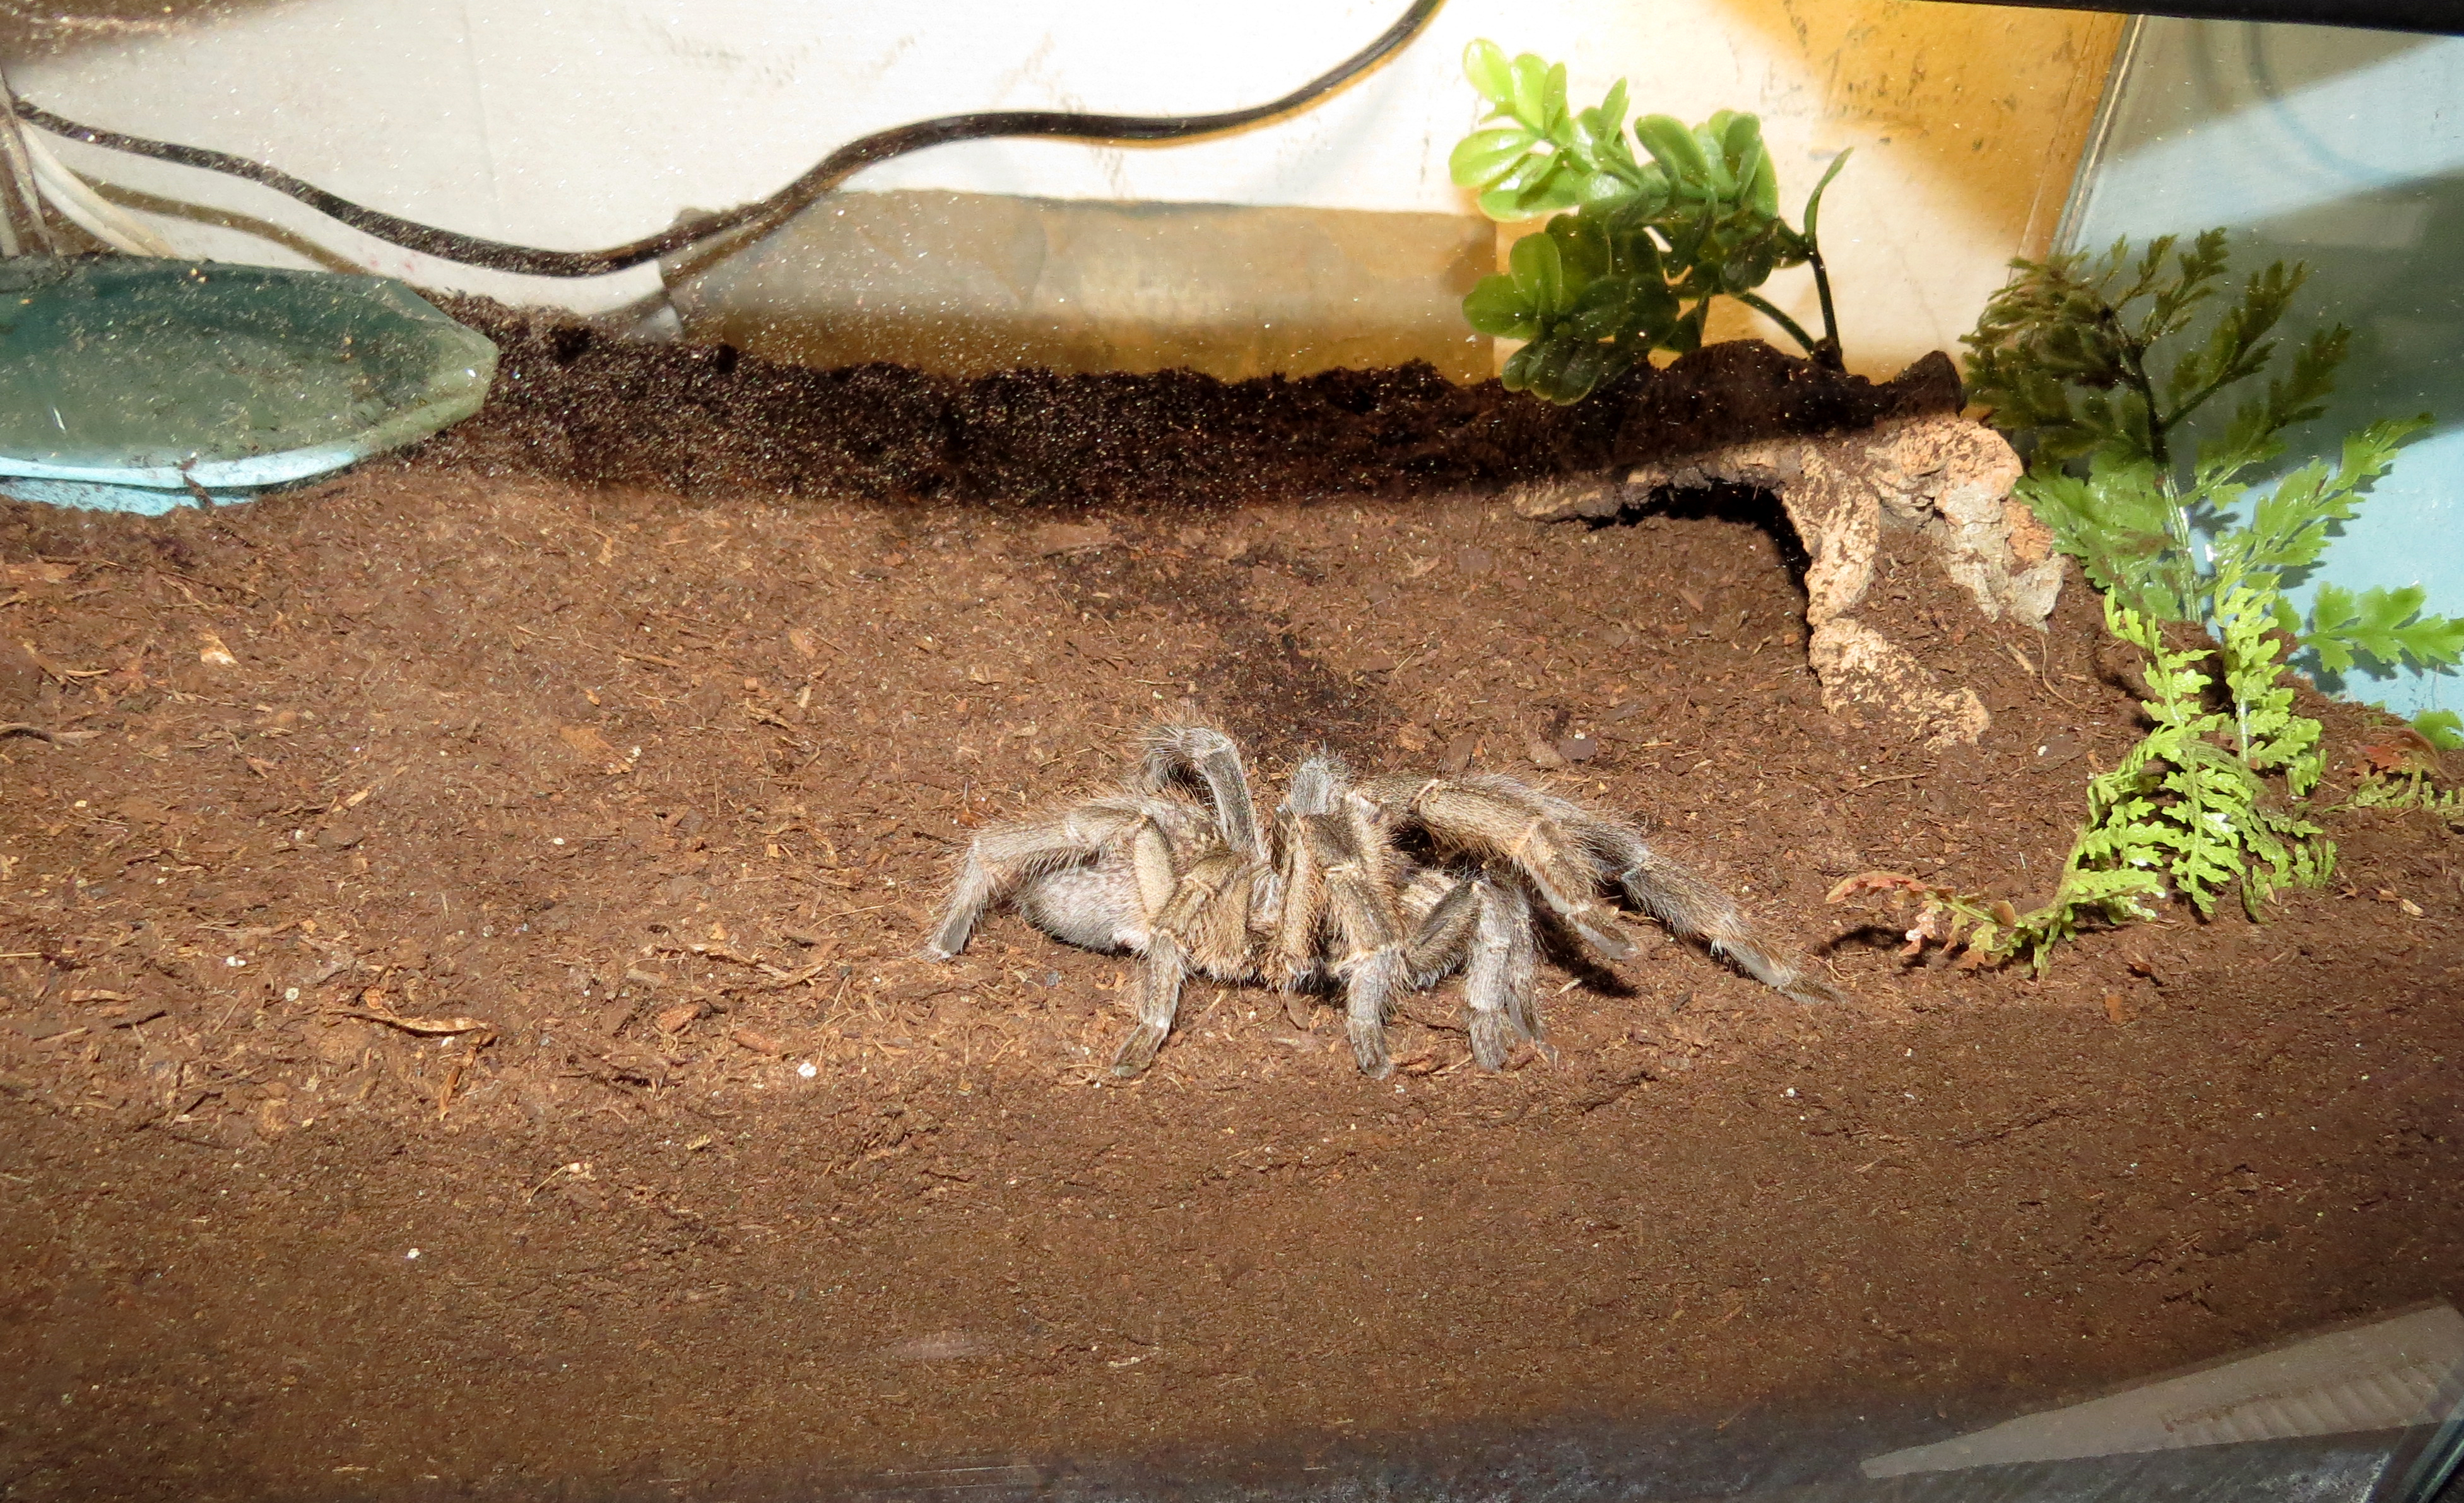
{"type": "Point", "coordinates": [2074, 356]}
{"type": "Point", "coordinates": [1635, 248]}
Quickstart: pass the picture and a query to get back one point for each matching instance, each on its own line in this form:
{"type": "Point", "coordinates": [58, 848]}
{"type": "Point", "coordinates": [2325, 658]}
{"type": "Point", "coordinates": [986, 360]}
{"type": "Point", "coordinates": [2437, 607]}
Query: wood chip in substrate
{"type": "Point", "coordinates": [758, 1042]}
{"type": "Point", "coordinates": [374, 1009]}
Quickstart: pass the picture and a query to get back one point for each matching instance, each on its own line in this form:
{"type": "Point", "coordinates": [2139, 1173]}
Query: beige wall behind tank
{"type": "Point", "coordinates": [1966, 122]}
{"type": "Point", "coordinates": [582, 123]}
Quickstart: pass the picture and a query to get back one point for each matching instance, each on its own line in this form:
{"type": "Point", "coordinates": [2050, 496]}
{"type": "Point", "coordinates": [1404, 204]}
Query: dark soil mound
{"type": "Point", "coordinates": [573, 405]}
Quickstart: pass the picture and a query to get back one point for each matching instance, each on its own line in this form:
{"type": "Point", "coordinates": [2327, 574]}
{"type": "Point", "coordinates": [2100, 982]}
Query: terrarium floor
{"type": "Point", "coordinates": [661, 791]}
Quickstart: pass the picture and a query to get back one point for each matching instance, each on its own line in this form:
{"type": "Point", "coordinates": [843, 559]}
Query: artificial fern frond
{"type": "Point", "coordinates": [2114, 520]}
{"type": "Point", "coordinates": [2256, 435]}
{"type": "Point", "coordinates": [2290, 527]}
{"type": "Point", "coordinates": [2183, 803]}
{"type": "Point", "coordinates": [2237, 347]}
{"type": "Point", "coordinates": [2063, 353]}
{"type": "Point", "coordinates": [2270, 735]}
{"type": "Point", "coordinates": [2384, 625]}
{"type": "Point", "coordinates": [2442, 729]}
{"type": "Point", "coordinates": [2148, 279]}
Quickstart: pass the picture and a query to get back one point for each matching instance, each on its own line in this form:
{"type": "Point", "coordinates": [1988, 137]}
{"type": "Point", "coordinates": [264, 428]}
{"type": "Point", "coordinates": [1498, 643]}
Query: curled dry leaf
{"type": "Point", "coordinates": [2400, 751]}
{"type": "Point", "coordinates": [1945, 916]}
{"type": "Point", "coordinates": [1935, 925]}
{"type": "Point", "coordinates": [1864, 882]}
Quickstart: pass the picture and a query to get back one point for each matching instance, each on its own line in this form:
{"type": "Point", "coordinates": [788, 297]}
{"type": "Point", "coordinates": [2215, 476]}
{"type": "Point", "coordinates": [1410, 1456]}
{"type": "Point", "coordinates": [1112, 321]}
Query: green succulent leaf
{"type": "Point", "coordinates": [1685, 335]}
{"type": "Point", "coordinates": [1710, 138]}
{"type": "Point", "coordinates": [1674, 148]}
{"type": "Point", "coordinates": [1485, 66]}
{"type": "Point", "coordinates": [1759, 186]}
{"type": "Point", "coordinates": [1610, 196]}
{"type": "Point", "coordinates": [1546, 375]}
{"type": "Point", "coordinates": [1637, 307]}
{"type": "Point", "coordinates": [1538, 264]}
{"type": "Point", "coordinates": [1531, 81]}
{"type": "Point", "coordinates": [1517, 374]}
{"type": "Point", "coordinates": [1498, 308]}
{"type": "Point", "coordinates": [1485, 156]}
{"type": "Point", "coordinates": [1583, 248]}
{"type": "Point", "coordinates": [1541, 184]}
{"type": "Point", "coordinates": [1587, 363]}
{"type": "Point", "coordinates": [1750, 265]}
{"type": "Point", "coordinates": [1742, 153]}
{"type": "Point", "coordinates": [1694, 217]}
{"type": "Point", "coordinates": [1598, 133]}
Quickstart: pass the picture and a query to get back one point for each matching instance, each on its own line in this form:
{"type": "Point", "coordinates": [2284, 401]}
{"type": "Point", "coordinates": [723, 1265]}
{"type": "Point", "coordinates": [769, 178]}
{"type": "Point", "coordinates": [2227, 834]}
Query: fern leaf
{"type": "Point", "coordinates": [2442, 729]}
{"type": "Point", "coordinates": [2384, 625]}
{"type": "Point", "coordinates": [2255, 436]}
{"type": "Point", "coordinates": [2113, 521]}
{"type": "Point", "coordinates": [2269, 735]}
{"type": "Point", "coordinates": [2289, 529]}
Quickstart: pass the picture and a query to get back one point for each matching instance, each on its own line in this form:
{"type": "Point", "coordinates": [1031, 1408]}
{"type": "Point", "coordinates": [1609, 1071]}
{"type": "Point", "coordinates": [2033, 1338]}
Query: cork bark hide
{"type": "Point", "coordinates": [1942, 478]}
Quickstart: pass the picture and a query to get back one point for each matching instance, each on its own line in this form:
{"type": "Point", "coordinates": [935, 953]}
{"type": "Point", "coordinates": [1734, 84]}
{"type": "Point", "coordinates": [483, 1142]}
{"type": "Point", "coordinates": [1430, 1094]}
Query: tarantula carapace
{"type": "Point", "coordinates": [1380, 886]}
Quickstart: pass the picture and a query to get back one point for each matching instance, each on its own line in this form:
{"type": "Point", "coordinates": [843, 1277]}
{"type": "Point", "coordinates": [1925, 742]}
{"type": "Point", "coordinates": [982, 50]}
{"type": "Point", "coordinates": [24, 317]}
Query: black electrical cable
{"type": "Point", "coordinates": [826, 174]}
{"type": "Point", "coordinates": [2445, 17]}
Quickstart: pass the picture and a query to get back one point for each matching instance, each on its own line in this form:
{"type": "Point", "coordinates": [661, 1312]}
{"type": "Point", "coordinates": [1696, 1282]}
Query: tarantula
{"type": "Point", "coordinates": [1380, 886]}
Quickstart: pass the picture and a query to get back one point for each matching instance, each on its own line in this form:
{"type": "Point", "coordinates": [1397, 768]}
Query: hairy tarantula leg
{"type": "Point", "coordinates": [1204, 927]}
{"type": "Point", "coordinates": [1159, 999]}
{"type": "Point", "coordinates": [974, 893]}
{"type": "Point", "coordinates": [1363, 913]}
{"type": "Point", "coordinates": [1209, 916]}
{"type": "Point", "coordinates": [1292, 960]}
{"type": "Point", "coordinates": [1693, 908]}
{"type": "Point", "coordinates": [1151, 866]}
{"type": "Point", "coordinates": [1367, 997]}
{"type": "Point", "coordinates": [1004, 857]}
{"type": "Point", "coordinates": [1316, 783]}
{"type": "Point", "coordinates": [998, 859]}
{"type": "Point", "coordinates": [1496, 818]}
{"type": "Point", "coordinates": [1438, 945]}
{"type": "Point", "coordinates": [1215, 758]}
{"type": "Point", "coordinates": [1497, 980]}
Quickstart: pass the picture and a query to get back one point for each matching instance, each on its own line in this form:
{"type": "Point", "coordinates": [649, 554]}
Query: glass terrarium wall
{"type": "Point", "coordinates": [1330, 238]}
{"type": "Point", "coordinates": [1966, 123]}
{"type": "Point", "coordinates": [2343, 149]}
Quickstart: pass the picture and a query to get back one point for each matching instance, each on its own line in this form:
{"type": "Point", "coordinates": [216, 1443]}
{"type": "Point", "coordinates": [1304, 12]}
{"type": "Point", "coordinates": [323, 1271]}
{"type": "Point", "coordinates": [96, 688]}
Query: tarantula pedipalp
{"type": "Point", "coordinates": [1380, 886]}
